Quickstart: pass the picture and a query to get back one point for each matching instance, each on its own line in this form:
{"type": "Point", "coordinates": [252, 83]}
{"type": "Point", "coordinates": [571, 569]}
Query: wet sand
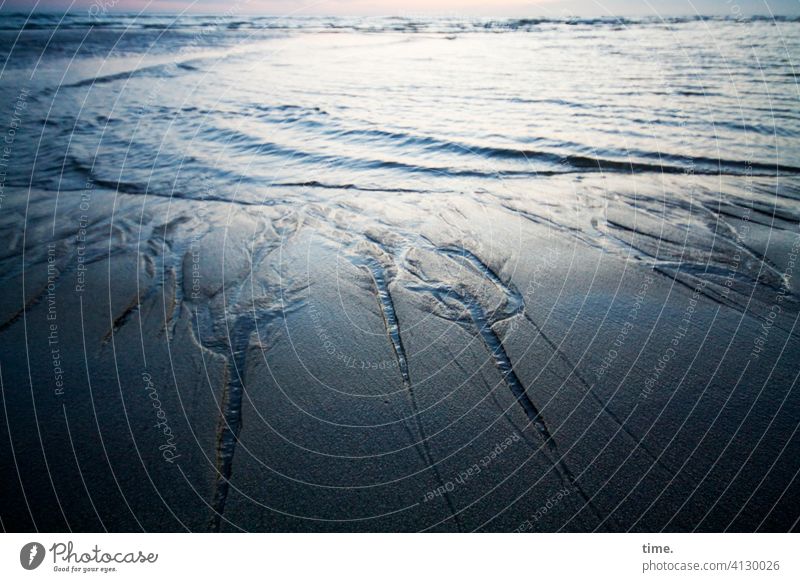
{"type": "Point", "coordinates": [614, 353]}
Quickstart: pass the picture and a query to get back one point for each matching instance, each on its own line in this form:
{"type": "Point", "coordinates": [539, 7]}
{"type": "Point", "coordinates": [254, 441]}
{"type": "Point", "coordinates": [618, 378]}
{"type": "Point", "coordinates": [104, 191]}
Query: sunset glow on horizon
{"type": "Point", "coordinates": [547, 8]}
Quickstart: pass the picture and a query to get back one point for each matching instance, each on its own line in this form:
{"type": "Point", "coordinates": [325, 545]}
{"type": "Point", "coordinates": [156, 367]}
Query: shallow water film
{"type": "Point", "coordinates": [399, 274]}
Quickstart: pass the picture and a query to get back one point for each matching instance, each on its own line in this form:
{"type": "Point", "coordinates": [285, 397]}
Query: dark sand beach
{"type": "Point", "coordinates": [270, 286]}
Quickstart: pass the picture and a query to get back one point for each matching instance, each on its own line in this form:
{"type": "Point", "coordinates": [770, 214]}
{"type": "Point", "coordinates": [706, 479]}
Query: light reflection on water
{"type": "Point", "coordinates": [440, 106]}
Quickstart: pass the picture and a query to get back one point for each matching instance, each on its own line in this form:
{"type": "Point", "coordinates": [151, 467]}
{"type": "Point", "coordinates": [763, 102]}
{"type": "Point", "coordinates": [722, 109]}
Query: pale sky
{"type": "Point", "coordinates": [552, 8]}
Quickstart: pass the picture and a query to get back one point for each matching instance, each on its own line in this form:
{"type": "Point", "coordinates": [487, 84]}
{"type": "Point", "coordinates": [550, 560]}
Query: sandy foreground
{"type": "Point", "coordinates": [611, 354]}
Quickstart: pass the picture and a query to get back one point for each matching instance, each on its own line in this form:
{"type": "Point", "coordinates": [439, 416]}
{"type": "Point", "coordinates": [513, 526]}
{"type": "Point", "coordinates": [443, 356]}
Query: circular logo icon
{"type": "Point", "coordinates": [31, 555]}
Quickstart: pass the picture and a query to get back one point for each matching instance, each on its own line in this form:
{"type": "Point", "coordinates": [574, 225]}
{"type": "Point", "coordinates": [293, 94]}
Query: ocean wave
{"type": "Point", "coordinates": [119, 21]}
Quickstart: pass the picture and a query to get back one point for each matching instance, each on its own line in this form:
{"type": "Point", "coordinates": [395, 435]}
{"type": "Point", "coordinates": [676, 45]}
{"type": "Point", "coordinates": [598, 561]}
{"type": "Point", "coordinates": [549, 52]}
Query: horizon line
{"type": "Point", "coordinates": [444, 14]}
